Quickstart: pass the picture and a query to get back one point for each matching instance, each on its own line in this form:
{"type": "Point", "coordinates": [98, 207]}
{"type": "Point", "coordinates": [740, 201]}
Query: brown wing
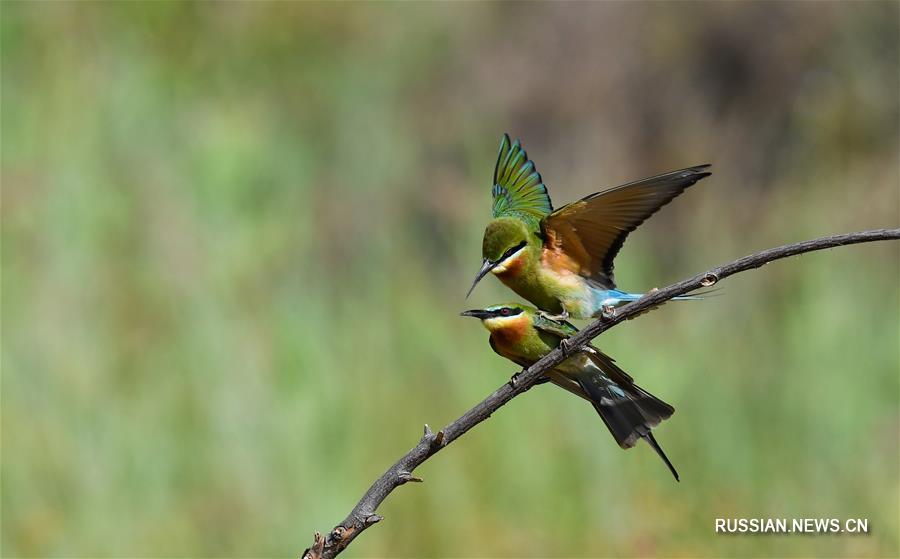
{"type": "Point", "coordinates": [586, 235]}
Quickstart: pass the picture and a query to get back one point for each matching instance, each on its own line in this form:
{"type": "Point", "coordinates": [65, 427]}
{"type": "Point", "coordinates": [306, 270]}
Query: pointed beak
{"type": "Point", "coordinates": [486, 267]}
{"type": "Point", "coordinates": [477, 313]}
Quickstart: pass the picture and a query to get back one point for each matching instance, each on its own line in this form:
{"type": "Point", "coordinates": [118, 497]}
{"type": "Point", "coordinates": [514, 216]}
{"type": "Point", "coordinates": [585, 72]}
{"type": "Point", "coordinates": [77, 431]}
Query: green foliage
{"type": "Point", "coordinates": [236, 240]}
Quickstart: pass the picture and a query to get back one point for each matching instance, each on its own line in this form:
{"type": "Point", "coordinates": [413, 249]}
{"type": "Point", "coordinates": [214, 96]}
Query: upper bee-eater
{"type": "Point", "coordinates": [562, 261]}
{"type": "Point", "coordinates": [524, 334]}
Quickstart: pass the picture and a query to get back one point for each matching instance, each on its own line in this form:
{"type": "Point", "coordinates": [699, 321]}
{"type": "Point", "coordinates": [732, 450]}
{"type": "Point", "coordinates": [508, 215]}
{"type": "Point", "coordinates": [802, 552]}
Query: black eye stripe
{"type": "Point", "coordinates": [513, 250]}
{"type": "Point", "coordinates": [507, 311]}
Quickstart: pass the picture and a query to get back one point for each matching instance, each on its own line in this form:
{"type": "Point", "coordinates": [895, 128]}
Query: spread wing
{"type": "Point", "coordinates": [588, 234]}
{"type": "Point", "coordinates": [518, 189]}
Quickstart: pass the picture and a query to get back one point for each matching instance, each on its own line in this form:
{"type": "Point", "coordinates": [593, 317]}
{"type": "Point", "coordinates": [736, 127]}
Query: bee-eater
{"type": "Point", "coordinates": [524, 334]}
{"type": "Point", "coordinates": [562, 261]}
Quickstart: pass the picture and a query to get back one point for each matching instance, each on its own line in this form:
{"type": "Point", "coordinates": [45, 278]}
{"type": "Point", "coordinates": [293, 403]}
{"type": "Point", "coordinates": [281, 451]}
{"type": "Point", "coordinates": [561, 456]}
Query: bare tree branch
{"type": "Point", "coordinates": [363, 514]}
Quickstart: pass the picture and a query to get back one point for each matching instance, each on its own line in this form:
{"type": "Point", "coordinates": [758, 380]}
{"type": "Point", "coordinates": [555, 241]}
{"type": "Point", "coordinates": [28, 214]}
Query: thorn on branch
{"type": "Point", "coordinates": [514, 380]}
{"type": "Point", "coordinates": [373, 519]}
{"type": "Point", "coordinates": [709, 279]}
{"type": "Point", "coordinates": [406, 477]}
{"type": "Point", "coordinates": [427, 436]}
{"type": "Point", "coordinates": [315, 550]}
{"type": "Point", "coordinates": [430, 438]}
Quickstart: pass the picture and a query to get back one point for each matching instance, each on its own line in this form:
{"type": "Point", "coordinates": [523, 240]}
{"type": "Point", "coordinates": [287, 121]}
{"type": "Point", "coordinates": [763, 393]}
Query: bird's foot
{"type": "Point", "coordinates": [556, 317]}
{"type": "Point", "coordinates": [608, 311]}
{"type": "Point", "coordinates": [565, 346]}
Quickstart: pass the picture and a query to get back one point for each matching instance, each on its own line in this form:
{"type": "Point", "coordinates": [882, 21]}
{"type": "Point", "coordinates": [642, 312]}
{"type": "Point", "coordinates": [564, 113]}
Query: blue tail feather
{"type": "Point", "coordinates": [614, 297]}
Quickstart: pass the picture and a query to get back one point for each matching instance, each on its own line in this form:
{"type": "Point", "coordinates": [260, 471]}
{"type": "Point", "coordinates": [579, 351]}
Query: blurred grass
{"type": "Point", "coordinates": [236, 238]}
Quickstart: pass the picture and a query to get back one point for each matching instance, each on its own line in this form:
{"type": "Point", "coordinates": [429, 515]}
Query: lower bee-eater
{"type": "Point", "coordinates": [524, 335]}
{"type": "Point", "coordinates": [562, 261]}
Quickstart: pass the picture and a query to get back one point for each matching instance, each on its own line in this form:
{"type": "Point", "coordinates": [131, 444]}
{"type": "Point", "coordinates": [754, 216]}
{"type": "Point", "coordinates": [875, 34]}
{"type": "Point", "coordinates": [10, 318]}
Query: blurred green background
{"type": "Point", "coordinates": [236, 239]}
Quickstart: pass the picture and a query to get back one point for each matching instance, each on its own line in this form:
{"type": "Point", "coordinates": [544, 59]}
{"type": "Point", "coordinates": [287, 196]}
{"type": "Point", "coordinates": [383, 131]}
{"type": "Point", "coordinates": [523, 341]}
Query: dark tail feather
{"type": "Point", "coordinates": [628, 411]}
{"type": "Point", "coordinates": [652, 441]}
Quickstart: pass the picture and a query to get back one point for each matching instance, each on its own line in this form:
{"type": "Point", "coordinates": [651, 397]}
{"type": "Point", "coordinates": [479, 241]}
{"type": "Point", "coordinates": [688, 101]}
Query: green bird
{"type": "Point", "coordinates": [562, 261]}
{"type": "Point", "coordinates": [524, 335]}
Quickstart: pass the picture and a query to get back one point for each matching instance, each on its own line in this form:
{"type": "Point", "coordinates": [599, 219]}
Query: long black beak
{"type": "Point", "coordinates": [477, 313]}
{"type": "Point", "coordinates": [486, 267]}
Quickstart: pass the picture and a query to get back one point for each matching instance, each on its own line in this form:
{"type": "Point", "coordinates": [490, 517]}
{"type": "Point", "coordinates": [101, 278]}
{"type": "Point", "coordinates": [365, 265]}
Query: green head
{"type": "Point", "coordinates": [505, 240]}
{"type": "Point", "coordinates": [507, 315]}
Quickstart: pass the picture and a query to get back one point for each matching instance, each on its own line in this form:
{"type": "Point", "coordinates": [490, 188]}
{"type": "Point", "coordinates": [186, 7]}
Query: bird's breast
{"type": "Point", "coordinates": [509, 334]}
